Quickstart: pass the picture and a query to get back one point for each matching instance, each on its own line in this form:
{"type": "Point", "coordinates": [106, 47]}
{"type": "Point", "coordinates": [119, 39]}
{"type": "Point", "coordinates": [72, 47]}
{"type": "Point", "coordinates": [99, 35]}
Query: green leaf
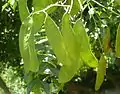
{"type": "Point", "coordinates": [69, 38]}
{"type": "Point", "coordinates": [23, 9]}
{"type": "Point", "coordinates": [67, 72]}
{"type": "Point", "coordinates": [24, 37]}
{"type": "Point", "coordinates": [34, 86]}
{"type": "Point", "coordinates": [12, 3]}
{"type": "Point", "coordinates": [76, 6]}
{"type": "Point", "coordinates": [38, 21]}
{"type": "Point", "coordinates": [4, 6]}
{"type": "Point", "coordinates": [117, 45]}
{"type": "Point", "coordinates": [106, 40]}
{"type": "Point", "coordinates": [39, 86]}
{"type": "Point", "coordinates": [72, 48]}
{"type": "Point", "coordinates": [27, 46]}
{"type": "Point", "coordinates": [41, 4]}
{"type": "Point", "coordinates": [56, 40]}
{"type": "Point", "coordinates": [117, 2]}
{"type": "Point", "coordinates": [100, 72]}
{"type": "Point", "coordinates": [34, 62]}
{"type": "Point", "coordinates": [85, 51]}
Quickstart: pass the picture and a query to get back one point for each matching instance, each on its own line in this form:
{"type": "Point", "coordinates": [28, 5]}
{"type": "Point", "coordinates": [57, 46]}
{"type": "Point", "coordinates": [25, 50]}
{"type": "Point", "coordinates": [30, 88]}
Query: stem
{"type": "Point", "coordinates": [96, 26]}
{"type": "Point", "coordinates": [52, 5]}
{"type": "Point", "coordinates": [105, 7]}
{"type": "Point", "coordinates": [81, 7]}
{"type": "Point", "coordinates": [71, 5]}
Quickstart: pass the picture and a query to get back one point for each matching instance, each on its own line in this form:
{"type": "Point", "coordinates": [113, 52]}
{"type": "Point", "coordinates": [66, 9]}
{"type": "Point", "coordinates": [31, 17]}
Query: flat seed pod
{"type": "Point", "coordinates": [69, 38]}
{"type": "Point", "coordinates": [24, 37]}
{"type": "Point", "coordinates": [117, 45]}
{"type": "Point", "coordinates": [106, 40]}
{"type": "Point", "coordinates": [23, 9]}
{"type": "Point", "coordinates": [100, 72]}
{"type": "Point", "coordinates": [56, 41]}
{"type": "Point", "coordinates": [85, 51]}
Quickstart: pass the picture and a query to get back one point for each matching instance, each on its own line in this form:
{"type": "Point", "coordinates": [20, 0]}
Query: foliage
{"type": "Point", "coordinates": [10, 24]}
{"type": "Point", "coordinates": [14, 82]}
{"type": "Point", "coordinates": [9, 48]}
{"type": "Point", "coordinates": [67, 43]}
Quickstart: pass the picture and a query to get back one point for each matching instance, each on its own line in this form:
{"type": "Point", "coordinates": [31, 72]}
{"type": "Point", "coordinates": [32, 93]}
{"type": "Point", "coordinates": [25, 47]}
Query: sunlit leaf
{"type": "Point", "coordinates": [23, 9]}
{"type": "Point", "coordinates": [85, 51]}
{"type": "Point", "coordinates": [117, 45]}
{"type": "Point", "coordinates": [24, 37]}
{"type": "Point", "coordinates": [27, 46]}
{"type": "Point", "coordinates": [56, 40]}
{"type": "Point", "coordinates": [76, 6]}
{"type": "Point", "coordinates": [40, 4]}
{"type": "Point", "coordinates": [69, 38]}
{"type": "Point", "coordinates": [38, 21]}
{"type": "Point", "coordinates": [100, 72]}
{"type": "Point", "coordinates": [4, 6]}
{"type": "Point", "coordinates": [67, 72]}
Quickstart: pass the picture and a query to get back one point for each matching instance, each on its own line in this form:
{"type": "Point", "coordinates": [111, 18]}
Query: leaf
{"type": "Point", "coordinates": [12, 3]}
{"type": "Point", "coordinates": [34, 62]}
{"type": "Point", "coordinates": [4, 6]}
{"type": "Point", "coordinates": [27, 46]}
{"type": "Point", "coordinates": [56, 40]}
{"type": "Point", "coordinates": [117, 2]}
{"type": "Point", "coordinates": [67, 72]}
{"type": "Point", "coordinates": [69, 38]}
{"type": "Point", "coordinates": [40, 4]}
{"type": "Point", "coordinates": [28, 77]}
{"type": "Point", "coordinates": [106, 40]}
{"type": "Point", "coordinates": [54, 1]}
{"type": "Point", "coordinates": [76, 6]}
{"type": "Point", "coordinates": [23, 9]}
{"type": "Point", "coordinates": [85, 51]}
{"type": "Point", "coordinates": [117, 45]}
{"type": "Point", "coordinates": [38, 21]}
{"type": "Point", "coordinates": [24, 37]}
{"type": "Point", "coordinates": [36, 85]}
{"type": "Point", "coordinates": [101, 72]}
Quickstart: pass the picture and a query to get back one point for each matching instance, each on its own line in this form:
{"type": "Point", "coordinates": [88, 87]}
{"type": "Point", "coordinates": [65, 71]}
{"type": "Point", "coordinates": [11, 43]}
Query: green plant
{"type": "Point", "coordinates": [73, 47]}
